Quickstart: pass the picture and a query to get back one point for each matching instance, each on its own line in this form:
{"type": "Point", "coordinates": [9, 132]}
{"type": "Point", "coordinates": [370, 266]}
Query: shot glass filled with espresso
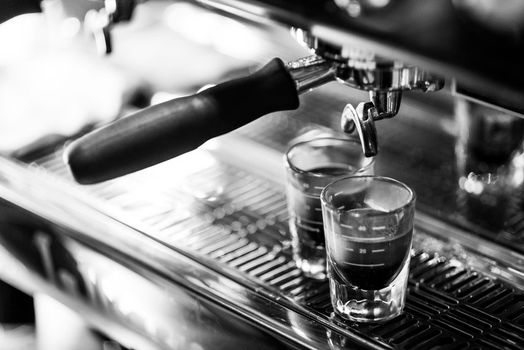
{"type": "Point", "coordinates": [368, 222]}
{"type": "Point", "coordinates": [311, 165]}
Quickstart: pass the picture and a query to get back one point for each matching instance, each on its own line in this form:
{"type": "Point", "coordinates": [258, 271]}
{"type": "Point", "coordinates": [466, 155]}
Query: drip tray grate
{"type": "Point", "coordinates": [240, 220]}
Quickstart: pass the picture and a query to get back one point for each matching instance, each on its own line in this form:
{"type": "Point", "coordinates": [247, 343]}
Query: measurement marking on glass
{"type": "Point", "coordinates": [349, 249]}
{"type": "Point", "coordinates": [312, 196]}
{"type": "Point", "coordinates": [308, 228]}
{"type": "Point", "coordinates": [377, 250]}
{"type": "Point", "coordinates": [370, 239]}
{"type": "Point", "coordinates": [363, 265]}
{"type": "Point", "coordinates": [346, 226]}
{"type": "Point", "coordinates": [378, 228]}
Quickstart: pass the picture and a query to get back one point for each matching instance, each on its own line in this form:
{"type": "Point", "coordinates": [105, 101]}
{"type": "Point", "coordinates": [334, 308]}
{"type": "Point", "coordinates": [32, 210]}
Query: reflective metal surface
{"type": "Point", "coordinates": [435, 36]}
{"type": "Point", "coordinates": [214, 223]}
{"type": "Point", "coordinates": [103, 274]}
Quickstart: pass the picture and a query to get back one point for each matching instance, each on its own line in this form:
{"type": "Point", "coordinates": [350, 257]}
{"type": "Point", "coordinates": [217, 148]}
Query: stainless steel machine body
{"type": "Point", "coordinates": [195, 252]}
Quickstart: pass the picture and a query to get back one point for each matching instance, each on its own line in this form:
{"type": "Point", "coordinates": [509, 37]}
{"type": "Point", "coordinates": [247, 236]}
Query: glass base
{"type": "Point", "coordinates": [310, 257]}
{"type": "Point", "coordinates": [360, 305]}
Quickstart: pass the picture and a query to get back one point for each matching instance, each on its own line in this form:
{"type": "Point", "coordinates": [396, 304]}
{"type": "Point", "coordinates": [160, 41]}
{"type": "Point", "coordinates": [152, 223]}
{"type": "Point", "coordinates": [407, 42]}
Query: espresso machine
{"type": "Point", "coordinates": [166, 227]}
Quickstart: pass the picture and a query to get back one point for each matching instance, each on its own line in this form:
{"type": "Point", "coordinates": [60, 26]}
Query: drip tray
{"type": "Point", "coordinates": [231, 217]}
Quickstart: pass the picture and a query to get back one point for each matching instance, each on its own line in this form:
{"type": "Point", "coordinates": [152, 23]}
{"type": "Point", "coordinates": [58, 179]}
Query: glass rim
{"type": "Point", "coordinates": [370, 160]}
{"type": "Point", "coordinates": [385, 179]}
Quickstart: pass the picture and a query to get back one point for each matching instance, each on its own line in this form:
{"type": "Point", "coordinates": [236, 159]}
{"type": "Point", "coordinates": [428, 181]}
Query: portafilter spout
{"type": "Point", "coordinates": [384, 78]}
{"type": "Point", "coordinates": [166, 130]}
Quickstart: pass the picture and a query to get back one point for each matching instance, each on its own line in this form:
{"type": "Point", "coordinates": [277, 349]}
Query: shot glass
{"type": "Point", "coordinates": [311, 165]}
{"type": "Point", "coordinates": [368, 223]}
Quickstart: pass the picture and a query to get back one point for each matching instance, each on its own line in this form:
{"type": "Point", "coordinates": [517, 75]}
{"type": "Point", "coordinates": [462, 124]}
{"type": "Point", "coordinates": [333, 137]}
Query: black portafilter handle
{"type": "Point", "coordinates": [166, 130]}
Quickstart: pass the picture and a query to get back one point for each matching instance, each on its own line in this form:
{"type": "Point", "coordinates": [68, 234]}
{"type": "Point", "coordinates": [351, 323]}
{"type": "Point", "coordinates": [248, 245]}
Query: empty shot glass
{"type": "Point", "coordinates": [311, 165]}
{"type": "Point", "coordinates": [368, 223]}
